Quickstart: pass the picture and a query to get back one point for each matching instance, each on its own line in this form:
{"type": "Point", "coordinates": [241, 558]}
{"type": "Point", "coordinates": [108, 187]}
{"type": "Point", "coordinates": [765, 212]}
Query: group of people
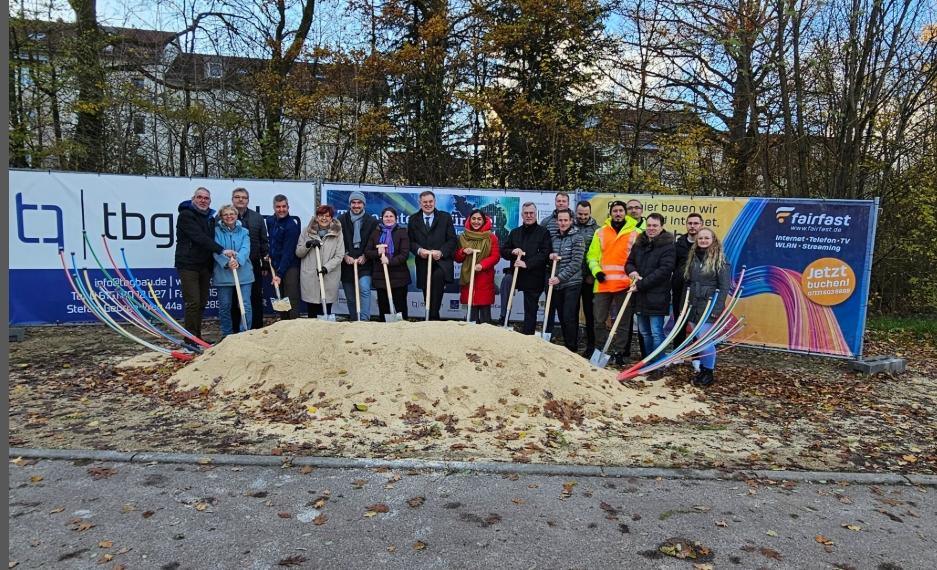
{"type": "Point", "coordinates": [587, 265]}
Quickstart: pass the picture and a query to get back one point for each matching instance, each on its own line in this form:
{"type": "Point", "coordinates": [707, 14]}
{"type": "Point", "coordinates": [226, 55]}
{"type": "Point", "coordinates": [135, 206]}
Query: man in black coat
{"type": "Point", "coordinates": [195, 244]}
{"type": "Point", "coordinates": [432, 233]}
{"type": "Point", "coordinates": [256, 228]}
{"type": "Point", "coordinates": [528, 248]}
{"type": "Point", "coordinates": [694, 223]}
{"type": "Point", "coordinates": [357, 227]}
{"type": "Point", "coordinates": [650, 267]}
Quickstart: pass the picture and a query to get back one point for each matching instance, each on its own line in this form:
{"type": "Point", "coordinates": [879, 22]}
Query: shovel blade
{"type": "Point", "coordinates": [599, 359]}
{"type": "Point", "coordinates": [326, 318]}
{"type": "Point", "coordinates": [281, 305]}
{"type": "Point", "coordinates": [546, 336]}
{"type": "Point", "coordinates": [393, 318]}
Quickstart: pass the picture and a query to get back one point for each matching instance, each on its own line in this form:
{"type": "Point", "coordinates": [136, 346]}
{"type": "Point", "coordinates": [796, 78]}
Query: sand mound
{"type": "Point", "coordinates": [383, 380]}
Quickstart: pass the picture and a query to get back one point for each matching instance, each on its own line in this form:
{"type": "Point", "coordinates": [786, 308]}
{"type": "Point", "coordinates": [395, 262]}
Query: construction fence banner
{"type": "Point", "coordinates": [50, 211]}
{"type": "Point", "coordinates": [808, 264]}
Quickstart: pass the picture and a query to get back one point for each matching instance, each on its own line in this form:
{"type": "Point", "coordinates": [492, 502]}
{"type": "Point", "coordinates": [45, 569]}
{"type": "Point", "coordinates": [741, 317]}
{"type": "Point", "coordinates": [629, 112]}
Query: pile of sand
{"type": "Point", "coordinates": [391, 384]}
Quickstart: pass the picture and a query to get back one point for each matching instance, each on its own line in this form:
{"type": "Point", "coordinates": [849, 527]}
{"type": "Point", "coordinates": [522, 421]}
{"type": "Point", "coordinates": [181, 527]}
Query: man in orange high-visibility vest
{"type": "Point", "coordinates": [607, 256]}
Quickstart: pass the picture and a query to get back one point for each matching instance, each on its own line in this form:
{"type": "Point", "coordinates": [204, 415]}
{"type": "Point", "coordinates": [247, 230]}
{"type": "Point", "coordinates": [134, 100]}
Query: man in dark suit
{"type": "Point", "coordinates": [432, 233]}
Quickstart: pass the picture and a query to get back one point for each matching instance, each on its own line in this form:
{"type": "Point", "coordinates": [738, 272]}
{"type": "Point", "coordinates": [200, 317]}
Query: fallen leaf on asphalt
{"type": "Point", "coordinates": [294, 560]}
{"type": "Point", "coordinates": [204, 461]}
{"type": "Point", "coordinates": [200, 506]}
{"type": "Point", "coordinates": [909, 458]}
{"type": "Point", "coordinates": [705, 566]}
{"type": "Point", "coordinates": [359, 483]}
{"type": "Point", "coordinates": [416, 502]}
{"type": "Point", "coordinates": [23, 463]}
{"type": "Point", "coordinates": [722, 524]}
{"type": "Point", "coordinates": [101, 472]}
{"type": "Point", "coordinates": [770, 553]}
{"type": "Point", "coordinates": [518, 501]}
{"type": "Point", "coordinates": [823, 540]}
{"type": "Point", "coordinates": [36, 479]}
{"type": "Point", "coordinates": [852, 527]}
{"type": "Point", "coordinates": [419, 545]}
{"type": "Point", "coordinates": [391, 548]}
{"type": "Point", "coordinates": [306, 470]}
{"type": "Point", "coordinates": [567, 490]}
{"type": "Point", "coordinates": [683, 549]}
{"type": "Point", "coordinates": [12, 564]}
{"type": "Point", "coordinates": [119, 567]}
{"type": "Point", "coordinates": [772, 533]}
{"type": "Point", "coordinates": [376, 508]}
{"type": "Point", "coordinates": [81, 525]}
{"type": "Point", "coordinates": [284, 515]}
{"type": "Point", "coordinates": [105, 558]}
{"type": "Point", "coordinates": [148, 514]}
{"type": "Point", "coordinates": [56, 510]}
{"type": "Point", "coordinates": [320, 520]}
{"type": "Point", "coordinates": [105, 544]}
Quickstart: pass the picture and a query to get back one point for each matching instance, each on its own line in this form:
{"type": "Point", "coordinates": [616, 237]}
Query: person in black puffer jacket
{"type": "Point", "coordinates": [195, 244]}
{"type": "Point", "coordinates": [694, 222]}
{"type": "Point", "coordinates": [650, 266]}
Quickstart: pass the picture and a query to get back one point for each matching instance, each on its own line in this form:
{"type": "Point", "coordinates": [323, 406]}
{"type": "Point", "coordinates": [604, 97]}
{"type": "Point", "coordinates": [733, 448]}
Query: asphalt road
{"type": "Point", "coordinates": [84, 514]}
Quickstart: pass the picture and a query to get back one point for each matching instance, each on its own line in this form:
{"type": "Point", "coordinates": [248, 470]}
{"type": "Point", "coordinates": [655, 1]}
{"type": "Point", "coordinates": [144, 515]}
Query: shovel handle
{"type": "Point", "coordinates": [237, 289]}
{"type": "Point", "coordinates": [429, 281]}
{"type": "Point", "coordinates": [325, 310]}
{"type": "Point", "coordinates": [507, 312]}
{"type": "Point", "coordinates": [273, 275]}
{"type": "Point", "coordinates": [357, 291]}
{"type": "Point", "coordinates": [390, 297]}
{"type": "Point", "coordinates": [546, 308]}
{"type": "Point", "coordinates": [471, 292]}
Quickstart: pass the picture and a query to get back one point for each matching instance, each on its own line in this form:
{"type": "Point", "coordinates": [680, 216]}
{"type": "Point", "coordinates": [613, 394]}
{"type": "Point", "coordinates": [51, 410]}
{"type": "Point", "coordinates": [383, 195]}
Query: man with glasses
{"type": "Point", "coordinates": [635, 209]}
{"type": "Point", "coordinates": [528, 248]}
{"type": "Point", "coordinates": [195, 244]}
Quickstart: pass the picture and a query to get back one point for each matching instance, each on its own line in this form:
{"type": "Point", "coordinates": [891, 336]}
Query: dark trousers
{"type": "Point", "coordinates": [585, 296]}
{"type": "Point", "coordinates": [567, 305]}
{"type": "Point", "coordinates": [678, 291]}
{"type": "Point", "coordinates": [505, 291]}
{"type": "Point", "coordinates": [315, 309]}
{"type": "Point", "coordinates": [399, 294]}
{"type": "Point", "coordinates": [289, 288]}
{"type": "Point", "coordinates": [195, 284]}
{"type": "Point", "coordinates": [481, 315]}
{"type": "Point", "coordinates": [436, 291]}
{"type": "Point", "coordinates": [531, 306]}
{"type": "Point", "coordinates": [256, 300]}
{"type": "Point", "coordinates": [602, 305]}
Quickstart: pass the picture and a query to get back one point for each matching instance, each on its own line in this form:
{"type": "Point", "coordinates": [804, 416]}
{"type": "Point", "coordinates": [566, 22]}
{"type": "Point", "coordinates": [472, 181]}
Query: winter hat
{"type": "Point", "coordinates": [357, 196]}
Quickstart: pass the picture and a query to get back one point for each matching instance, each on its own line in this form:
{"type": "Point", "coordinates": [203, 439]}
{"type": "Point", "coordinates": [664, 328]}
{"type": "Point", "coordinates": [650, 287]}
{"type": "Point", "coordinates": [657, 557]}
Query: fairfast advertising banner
{"type": "Point", "coordinates": [808, 264]}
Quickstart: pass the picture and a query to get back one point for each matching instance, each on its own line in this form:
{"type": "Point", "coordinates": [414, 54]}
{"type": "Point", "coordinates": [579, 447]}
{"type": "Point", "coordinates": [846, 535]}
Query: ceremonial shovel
{"type": "Point", "coordinates": [357, 292]}
{"type": "Point", "coordinates": [429, 281]}
{"type": "Point", "coordinates": [507, 312]}
{"type": "Point", "coordinates": [546, 310]}
{"type": "Point", "coordinates": [325, 308]}
{"type": "Point", "coordinates": [600, 358]}
{"type": "Point", "coordinates": [394, 316]}
{"type": "Point", "coordinates": [237, 289]}
{"type": "Point", "coordinates": [279, 303]}
{"type": "Point", "coordinates": [468, 313]}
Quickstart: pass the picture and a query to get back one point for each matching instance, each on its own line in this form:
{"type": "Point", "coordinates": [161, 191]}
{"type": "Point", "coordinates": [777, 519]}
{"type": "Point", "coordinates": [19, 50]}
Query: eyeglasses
{"type": "Point", "coordinates": [634, 207]}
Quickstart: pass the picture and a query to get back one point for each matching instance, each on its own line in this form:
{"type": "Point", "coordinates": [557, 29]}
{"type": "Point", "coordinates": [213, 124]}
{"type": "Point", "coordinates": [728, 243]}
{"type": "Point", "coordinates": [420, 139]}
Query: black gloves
{"type": "Point", "coordinates": [324, 270]}
{"type": "Point", "coordinates": [600, 277]}
{"type": "Point", "coordinates": [313, 243]}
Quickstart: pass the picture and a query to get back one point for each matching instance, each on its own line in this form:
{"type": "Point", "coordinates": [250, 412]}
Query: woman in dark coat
{"type": "Point", "coordinates": [478, 237]}
{"type": "Point", "coordinates": [393, 253]}
{"type": "Point", "coordinates": [706, 271]}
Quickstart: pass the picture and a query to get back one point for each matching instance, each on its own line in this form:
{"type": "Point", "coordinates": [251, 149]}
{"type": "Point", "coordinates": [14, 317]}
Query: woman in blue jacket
{"type": "Point", "coordinates": [236, 255]}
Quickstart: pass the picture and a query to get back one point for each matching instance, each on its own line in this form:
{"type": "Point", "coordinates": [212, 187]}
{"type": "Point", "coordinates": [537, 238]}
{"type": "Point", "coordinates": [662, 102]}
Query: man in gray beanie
{"type": "Point", "coordinates": [357, 227]}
